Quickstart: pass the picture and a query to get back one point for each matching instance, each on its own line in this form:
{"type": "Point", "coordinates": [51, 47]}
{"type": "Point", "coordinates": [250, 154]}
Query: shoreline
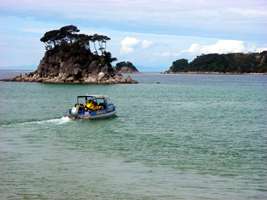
{"type": "Point", "coordinates": [70, 83]}
{"type": "Point", "coordinates": [20, 77]}
{"type": "Point", "coordinates": [101, 78]}
{"type": "Point", "coordinates": [214, 73]}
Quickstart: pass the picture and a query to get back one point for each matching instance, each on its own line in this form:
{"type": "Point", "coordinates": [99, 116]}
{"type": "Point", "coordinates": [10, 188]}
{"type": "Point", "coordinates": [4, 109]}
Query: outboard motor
{"type": "Point", "coordinates": [74, 110]}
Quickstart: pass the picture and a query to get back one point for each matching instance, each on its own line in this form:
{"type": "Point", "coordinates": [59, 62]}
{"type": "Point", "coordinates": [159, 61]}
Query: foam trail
{"type": "Point", "coordinates": [58, 121]}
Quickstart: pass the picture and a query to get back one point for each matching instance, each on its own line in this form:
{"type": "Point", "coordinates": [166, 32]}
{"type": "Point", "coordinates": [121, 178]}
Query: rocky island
{"type": "Point", "coordinates": [72, 57]}
{"type": "Point", "coordinates": [223, 63]}
{"type": "Point", "coordinates": [125, 67]}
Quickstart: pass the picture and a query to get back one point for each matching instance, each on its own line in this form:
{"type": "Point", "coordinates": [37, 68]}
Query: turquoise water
{"type": "Point", "coordinates": [189, 137]}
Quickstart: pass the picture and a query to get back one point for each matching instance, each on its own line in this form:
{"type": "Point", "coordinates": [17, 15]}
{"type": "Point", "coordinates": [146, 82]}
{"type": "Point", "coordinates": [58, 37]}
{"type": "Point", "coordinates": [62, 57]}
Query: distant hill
{"type": "Point", "coordinates": [223, 63]}
{"type": "Point", "coordinates": [125, 67]}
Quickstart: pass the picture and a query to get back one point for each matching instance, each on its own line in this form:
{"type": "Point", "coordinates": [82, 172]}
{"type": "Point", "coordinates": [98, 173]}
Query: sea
{"type": "Point", "coordinates": [182, 136]}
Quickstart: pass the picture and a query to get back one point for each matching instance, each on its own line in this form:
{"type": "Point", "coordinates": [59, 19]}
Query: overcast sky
{"type": "Point", "coordinates": [150, 33]}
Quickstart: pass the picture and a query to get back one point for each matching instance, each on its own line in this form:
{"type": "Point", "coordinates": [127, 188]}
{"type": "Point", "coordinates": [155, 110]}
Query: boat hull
{"type": "Point", "coordinates": [91, 116]}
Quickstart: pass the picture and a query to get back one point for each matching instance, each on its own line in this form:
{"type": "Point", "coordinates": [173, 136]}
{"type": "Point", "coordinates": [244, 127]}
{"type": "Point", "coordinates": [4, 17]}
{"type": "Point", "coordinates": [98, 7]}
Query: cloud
{"type": "Point", "coordinates": [221, 46]}
{"type": "Point", "coordinates": [261, 49]}
{"type": "Point", "coordinates": [128, 44]}
{"type": "Point", "coordinates": [216, 18]}
{"type": "Point", "coordinates": [168, 54]}
{"type": "Point", "coordinates": [146, 43]}
{"type": "Point", "coordinates": [248, 12]}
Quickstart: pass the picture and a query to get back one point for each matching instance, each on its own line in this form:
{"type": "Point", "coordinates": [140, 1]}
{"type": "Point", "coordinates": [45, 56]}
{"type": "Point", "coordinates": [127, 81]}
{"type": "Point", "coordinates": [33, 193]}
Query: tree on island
{"type": "Point", "coordinates": [66, 49]}
{"type": "Point", "coordinates": [223, 63]}
{"type": "Point", "coordinates": [68, 35]}
{"type": "Point", "coordinates": [179, 65]}
{"type": "Point", "coordinates": [125, 67]}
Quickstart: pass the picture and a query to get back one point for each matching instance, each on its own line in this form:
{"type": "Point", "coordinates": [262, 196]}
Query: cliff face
{"type": "Point", "coordinates": [224, 63]}
{"type": "Point", "coordinates": [125, 67]}
{"type": "Point", "coordinates": [73, 64]}
{"type": "Point", "coordinates": [73, 61]}
{"type": "Point", "coordinates": [69, 59]}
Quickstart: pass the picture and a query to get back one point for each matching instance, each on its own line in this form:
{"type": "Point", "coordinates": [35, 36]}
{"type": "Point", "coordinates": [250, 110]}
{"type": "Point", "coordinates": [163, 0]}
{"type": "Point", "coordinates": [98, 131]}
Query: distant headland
{"type": "Point", "coordinates": [72, 57]}
{"type": "Point", "coordinates": [125, 67]}
{"type": "Point", "coordinates": [223, 63]}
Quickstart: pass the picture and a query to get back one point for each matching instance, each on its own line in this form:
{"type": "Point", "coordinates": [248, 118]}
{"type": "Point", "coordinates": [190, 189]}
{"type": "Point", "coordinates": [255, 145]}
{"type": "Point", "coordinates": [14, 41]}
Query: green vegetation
{"type": "Point", "coordinates": [68, 35]}
{"type": "Point", "coordinates": [223, 63]}
{"type": "Point", "coordinates": [125, 67]}
{"type": "Point", "coordinates": [179, 65]}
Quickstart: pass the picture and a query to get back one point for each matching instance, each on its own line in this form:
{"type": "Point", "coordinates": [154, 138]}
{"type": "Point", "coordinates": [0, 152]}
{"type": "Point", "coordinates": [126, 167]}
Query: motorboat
{"type": "Point", "coordinates": [92, 107]}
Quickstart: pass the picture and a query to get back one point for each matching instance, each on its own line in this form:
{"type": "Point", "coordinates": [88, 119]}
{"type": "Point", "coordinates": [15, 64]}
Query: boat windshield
{"type": "Point", "coordinates": [84, 99]}
{"type": "Point", "coordinates": [81, 100]}
{"type": "Point", "coordinates": [100, 101]}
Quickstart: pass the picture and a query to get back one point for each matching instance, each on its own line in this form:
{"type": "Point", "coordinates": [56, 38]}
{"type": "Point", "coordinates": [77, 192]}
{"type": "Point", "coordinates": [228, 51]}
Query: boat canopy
{"type": "Point", "coordinates": [88, 97]}
{"type": "Point", "coordinates": [93, 96]}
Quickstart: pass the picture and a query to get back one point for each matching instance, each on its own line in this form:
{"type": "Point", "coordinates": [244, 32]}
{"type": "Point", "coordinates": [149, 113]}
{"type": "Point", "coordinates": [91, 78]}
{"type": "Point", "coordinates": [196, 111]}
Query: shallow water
{"type": "Point", "coordinates": [189, 137]}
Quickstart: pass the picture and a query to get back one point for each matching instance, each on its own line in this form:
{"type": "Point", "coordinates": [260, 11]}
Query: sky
{"type": "Point", "coordinates": [149, 33]}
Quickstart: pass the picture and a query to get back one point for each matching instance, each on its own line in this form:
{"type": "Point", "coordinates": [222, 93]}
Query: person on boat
{"type": "Point", "coordinates": [92, 105]}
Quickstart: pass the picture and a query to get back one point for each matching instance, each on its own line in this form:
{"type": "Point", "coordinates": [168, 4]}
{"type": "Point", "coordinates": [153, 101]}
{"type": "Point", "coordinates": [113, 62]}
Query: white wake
{"type": "Point", "coordinates": [58, 121]}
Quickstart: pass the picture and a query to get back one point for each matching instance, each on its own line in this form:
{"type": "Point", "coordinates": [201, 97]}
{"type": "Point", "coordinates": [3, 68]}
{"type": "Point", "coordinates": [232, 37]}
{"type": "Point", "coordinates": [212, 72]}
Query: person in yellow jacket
{"type": "Point", "coordinates": [91, 105]}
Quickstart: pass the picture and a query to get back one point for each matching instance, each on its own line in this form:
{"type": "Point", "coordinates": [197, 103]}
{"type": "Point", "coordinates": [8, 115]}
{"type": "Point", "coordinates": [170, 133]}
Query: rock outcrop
{"type": "Point", "coordinates": [223, 63]}
{"type": "Point", "coordinates": [74, 62]}
{"type": "Point", "coordinates": [125, 67]}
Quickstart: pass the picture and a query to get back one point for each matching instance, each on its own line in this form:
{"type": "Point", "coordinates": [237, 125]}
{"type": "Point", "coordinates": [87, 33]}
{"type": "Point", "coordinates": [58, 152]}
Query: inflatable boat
{"type": "Point", "coordinates": [92, 107]}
